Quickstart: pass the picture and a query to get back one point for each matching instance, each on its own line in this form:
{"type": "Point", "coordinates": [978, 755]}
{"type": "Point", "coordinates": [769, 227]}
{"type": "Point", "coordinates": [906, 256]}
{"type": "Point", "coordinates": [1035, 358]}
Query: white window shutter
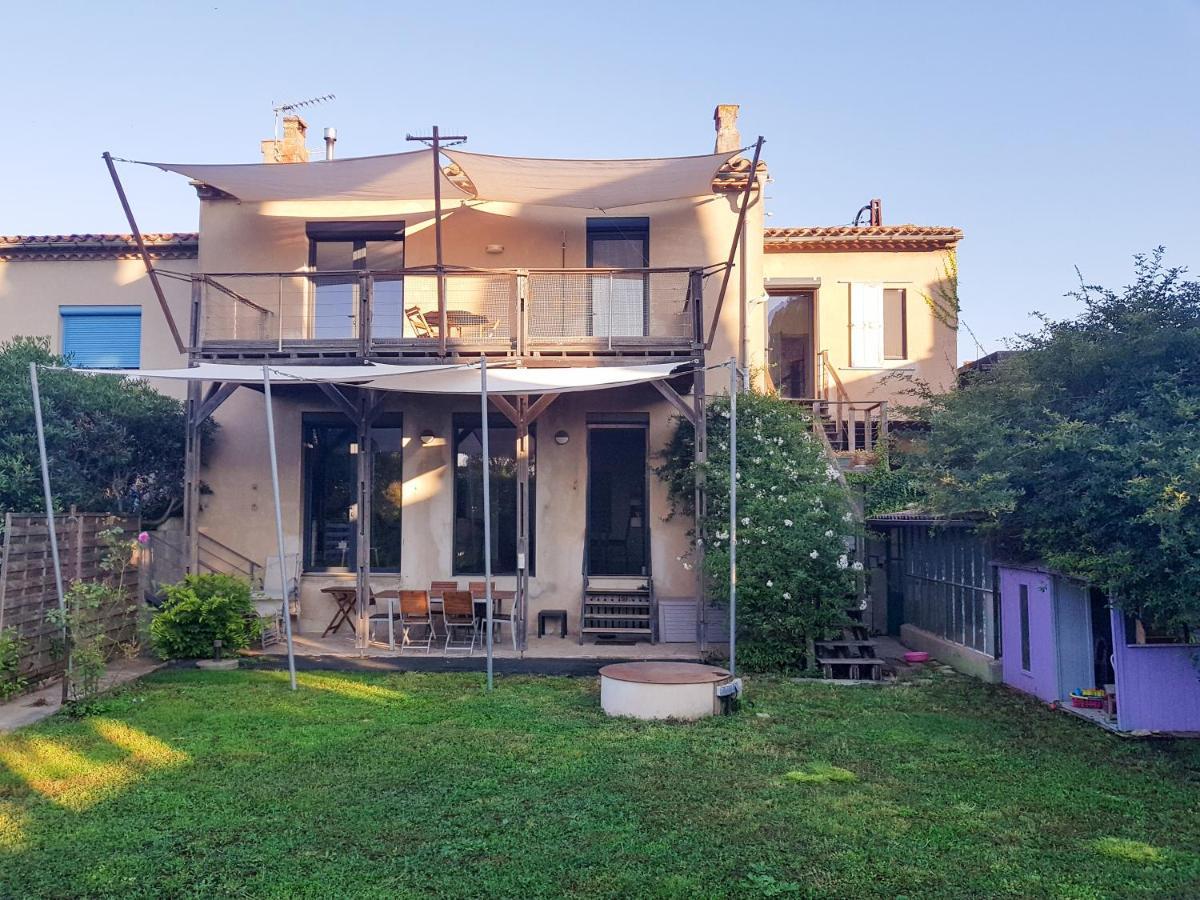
{"type": "Point", "coordinates": [866, 325]}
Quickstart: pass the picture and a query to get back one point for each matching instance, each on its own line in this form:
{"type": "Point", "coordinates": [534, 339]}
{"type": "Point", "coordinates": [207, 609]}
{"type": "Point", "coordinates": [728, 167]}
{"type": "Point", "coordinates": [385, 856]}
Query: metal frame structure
{"type": "Point", "coordinates": [362, 406]}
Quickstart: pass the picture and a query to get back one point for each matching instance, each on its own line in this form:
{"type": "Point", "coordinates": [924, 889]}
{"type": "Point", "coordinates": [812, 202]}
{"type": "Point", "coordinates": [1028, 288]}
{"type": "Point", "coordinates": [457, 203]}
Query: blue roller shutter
{"type": "Point", "coordinates": [102, 337]}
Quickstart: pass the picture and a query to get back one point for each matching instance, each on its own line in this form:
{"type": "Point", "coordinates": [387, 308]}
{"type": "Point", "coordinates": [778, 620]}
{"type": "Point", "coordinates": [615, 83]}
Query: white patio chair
{"type": "Point", "coordinates": [268, 601]}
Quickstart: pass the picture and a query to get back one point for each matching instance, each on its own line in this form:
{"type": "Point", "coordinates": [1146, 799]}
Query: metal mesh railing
{"type": "Point", "coordinates": [324, 309]}
{"type": "Point", "coordinates": [480, 306]}
{"type": "Point", "coordinates": [609, 305]}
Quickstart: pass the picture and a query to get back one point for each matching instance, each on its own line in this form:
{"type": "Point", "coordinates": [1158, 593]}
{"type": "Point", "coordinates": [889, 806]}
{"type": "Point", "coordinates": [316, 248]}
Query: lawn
{"type": "Point", "coordinates": [387, 785]}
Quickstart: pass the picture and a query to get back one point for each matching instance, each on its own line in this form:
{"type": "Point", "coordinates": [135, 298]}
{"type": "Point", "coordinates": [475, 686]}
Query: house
{"type": "Point", "coordinates": [553, 264]}
{"type": "Point", "coordinates": [1062, 637]}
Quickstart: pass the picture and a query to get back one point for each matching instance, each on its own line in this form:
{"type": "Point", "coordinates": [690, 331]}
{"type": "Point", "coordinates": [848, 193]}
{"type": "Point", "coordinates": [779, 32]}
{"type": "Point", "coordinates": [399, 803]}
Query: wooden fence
{"type": "Point", "coordinates": [27, 590]}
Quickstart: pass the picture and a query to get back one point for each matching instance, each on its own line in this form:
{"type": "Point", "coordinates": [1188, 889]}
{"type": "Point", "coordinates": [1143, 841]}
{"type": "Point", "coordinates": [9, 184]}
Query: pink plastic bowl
{"type": "Point", "coordinates": [916, 656]}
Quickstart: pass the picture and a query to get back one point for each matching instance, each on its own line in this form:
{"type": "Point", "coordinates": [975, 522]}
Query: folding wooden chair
{"type": "Point", "coordinates": [436, 590]}
{"type": "Point", "coordinates": [499, 619]}
{"type": "Point", "coordinates": [417, 321]}
{"type": "Point", "coordinates": [414, 612]}
{"type": "Point", "coordinates": [458, 613]}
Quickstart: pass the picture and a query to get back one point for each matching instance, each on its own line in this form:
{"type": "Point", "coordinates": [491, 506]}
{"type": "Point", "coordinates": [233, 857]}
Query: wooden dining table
{"type": "Point", "coordinates": [458, 319]}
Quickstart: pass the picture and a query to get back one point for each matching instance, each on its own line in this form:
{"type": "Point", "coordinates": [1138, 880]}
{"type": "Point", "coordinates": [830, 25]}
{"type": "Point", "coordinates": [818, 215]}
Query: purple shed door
{"type": "Point", "coordinates": [1030, 661]}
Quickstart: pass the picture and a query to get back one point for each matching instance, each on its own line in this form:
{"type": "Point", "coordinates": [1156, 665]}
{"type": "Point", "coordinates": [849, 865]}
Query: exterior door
{"type": "Point", "coordinates": [790, 356]}
{"type": "Point", "coordinates": [618, 532]}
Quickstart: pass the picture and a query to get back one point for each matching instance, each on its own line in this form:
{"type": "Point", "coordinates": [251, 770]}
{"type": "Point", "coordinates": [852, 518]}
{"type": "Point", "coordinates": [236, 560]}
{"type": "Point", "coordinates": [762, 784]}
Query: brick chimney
{"type": "Point", "coordinates": [728, 138]}
{"type": "Point", "coordinates": [291, 149]}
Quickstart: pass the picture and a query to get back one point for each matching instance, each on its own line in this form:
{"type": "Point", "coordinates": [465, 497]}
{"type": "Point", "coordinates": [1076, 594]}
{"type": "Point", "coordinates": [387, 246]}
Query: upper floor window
{"type": "Point", "coordinates": [102, 337]}
{"type": "Point", "coordinates": [895, 325]}
{"type": "Point", "coordinates": [790, 358]}
{"type": "Point", "coordinates": [345, 248]}
{"type": "Point", "coordinates": [620, 301]}
{"type": "Point", "coordinates": [878, 324]}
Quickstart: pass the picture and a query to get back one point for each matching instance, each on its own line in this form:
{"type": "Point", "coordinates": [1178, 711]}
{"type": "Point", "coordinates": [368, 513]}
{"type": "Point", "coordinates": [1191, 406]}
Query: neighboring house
{"type": "Point", "coordinates": [852, 313]}
{"type": "Point", "coordinates": [90, 295]}
{"type": "Point", "coordinates": [340, 275]}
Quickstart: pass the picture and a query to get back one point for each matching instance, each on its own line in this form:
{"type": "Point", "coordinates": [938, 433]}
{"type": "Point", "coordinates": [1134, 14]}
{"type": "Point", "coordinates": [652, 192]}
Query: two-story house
{"type": "Point", "coordinates": [559, 265]}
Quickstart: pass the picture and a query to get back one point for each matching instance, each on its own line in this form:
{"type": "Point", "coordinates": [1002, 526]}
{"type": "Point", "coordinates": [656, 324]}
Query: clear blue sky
{"type": "Point", "coordinates": [1055, 134]}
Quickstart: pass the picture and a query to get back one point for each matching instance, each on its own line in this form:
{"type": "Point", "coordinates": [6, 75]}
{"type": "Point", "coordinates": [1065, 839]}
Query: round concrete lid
{"type": "Point", "coordinates": [664, 673]}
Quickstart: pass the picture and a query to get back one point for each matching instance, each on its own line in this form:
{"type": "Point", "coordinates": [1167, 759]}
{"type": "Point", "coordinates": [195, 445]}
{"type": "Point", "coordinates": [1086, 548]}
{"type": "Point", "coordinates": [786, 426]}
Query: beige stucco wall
{"type": "Point", "coordinates": [31, 292]}
{"type": "Point", "coordinates": [237, 510]}
{"type": "Point", "coordinates": [239, 237]}
{"type": "Point", "coordinates": [932, 342]}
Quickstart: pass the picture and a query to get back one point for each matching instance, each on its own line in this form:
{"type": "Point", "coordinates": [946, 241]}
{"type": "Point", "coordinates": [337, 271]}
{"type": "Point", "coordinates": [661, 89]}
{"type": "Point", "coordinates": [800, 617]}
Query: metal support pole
{"type": "Point", "coordinates": [737, 237]}
{"type": "Point", "coordinates": [287, 613]}
{"type": "Point", "coordinates": [443, 325]}
{"type": "Point", "coordinates": [145, 254]}
{"type": "Point", "coordinates": [487, 512]}
{"type": "Point", "coordinates": [51, 524]}
{"type": "Point", "coordinates": [521, 603]}
{"type": "Point", "coordinates": [365, 481]}
{"type": "Point", "coordinates": [191, 476]}
{"type": "Point", "coordinates": [733, 392]}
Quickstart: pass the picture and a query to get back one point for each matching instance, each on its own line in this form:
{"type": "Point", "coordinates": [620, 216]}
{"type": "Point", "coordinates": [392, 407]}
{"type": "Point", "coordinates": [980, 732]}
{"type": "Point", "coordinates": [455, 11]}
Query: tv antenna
{"type": "Point", "coordinates": [287, 108]}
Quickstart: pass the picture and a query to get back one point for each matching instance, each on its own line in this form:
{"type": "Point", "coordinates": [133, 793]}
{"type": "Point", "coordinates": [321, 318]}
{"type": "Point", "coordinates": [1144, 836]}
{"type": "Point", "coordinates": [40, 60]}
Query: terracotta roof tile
{"type": "Point", "coordinates": [61, 247]}
{"type": "Point", "coordinates": [827, 238]}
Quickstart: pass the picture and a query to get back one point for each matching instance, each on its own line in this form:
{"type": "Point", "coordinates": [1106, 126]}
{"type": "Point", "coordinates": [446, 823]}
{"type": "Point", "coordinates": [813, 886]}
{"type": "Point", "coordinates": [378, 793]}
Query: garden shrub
{"type": "Point", "coordinates": [202, 609]}
{"type": "Point", "coordinates": [796, 577]}
{"type": "Point", "coordinates": [12, 681]}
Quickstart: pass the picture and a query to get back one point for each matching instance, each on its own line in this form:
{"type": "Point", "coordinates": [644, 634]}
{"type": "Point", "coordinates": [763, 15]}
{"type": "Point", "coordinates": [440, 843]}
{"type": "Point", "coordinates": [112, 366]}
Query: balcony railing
{"type": "Point", "coordinates": [516, 311]}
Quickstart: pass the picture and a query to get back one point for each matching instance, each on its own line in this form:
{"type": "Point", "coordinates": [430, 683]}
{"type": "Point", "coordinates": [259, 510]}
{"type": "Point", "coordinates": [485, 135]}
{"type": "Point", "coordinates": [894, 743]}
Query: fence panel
{"type": "Point", "coordinates": [948, 584]}
{"type": "Point", "coordinates": [28, 592]}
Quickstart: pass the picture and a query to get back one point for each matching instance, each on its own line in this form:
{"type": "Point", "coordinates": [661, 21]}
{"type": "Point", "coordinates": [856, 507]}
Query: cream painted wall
{"type": "Point", "coordinates": [32, 291]}
{"type": "Point", "coordinates": [236, 507]}
{"type": "Point", "coordinates": [270, 237]}
{"type": "Point", "coordinates": [247, 237]}
{"type": "Point", "coordinates": [932, 344]}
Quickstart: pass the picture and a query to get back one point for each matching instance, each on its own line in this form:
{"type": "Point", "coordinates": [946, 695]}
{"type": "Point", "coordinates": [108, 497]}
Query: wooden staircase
{"type": "Point", "coordinates": [852, 656]}
{"type": "Point", "coordinates": [616, 612]}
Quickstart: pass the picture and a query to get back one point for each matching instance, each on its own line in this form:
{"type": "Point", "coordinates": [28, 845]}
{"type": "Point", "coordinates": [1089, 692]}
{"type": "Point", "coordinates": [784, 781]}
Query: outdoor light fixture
{"type": "Point", "coordinates": [354, 448]}
{"type": "Point", "coordinates": [561, 438]}
{"type": "Point", "coordinates": [427, 437]}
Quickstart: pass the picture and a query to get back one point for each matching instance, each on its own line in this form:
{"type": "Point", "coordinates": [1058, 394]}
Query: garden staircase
{"type": "Point", "coordinates": [618, 610]}
{"type": "Point", "coordinates": [852, 656]}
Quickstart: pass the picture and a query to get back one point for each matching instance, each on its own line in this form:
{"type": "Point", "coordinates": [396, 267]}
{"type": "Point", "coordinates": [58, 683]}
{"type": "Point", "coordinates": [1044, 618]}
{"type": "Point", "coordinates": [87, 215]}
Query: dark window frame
{"type": "Point", "coordinates": [812, 376]}
{"type": "Point", "coordinates": [465, 421]}
{"type": "Point", "coordinates": [903, 324]}
{"type": "Point", "coordinates": [1023, 616]}
{"type": "Point", "coordinates": [627, 228]}
{"type": "Point", "coordinates": [626, 422]}
{"type": "Point", "coordinates": [388, 420]}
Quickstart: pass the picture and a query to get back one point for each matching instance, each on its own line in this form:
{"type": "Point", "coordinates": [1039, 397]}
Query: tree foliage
{"type": "Point", "coordinates": [1083, 448]}
{"type": "Point", "coordinates": [795, 572]}
{"type": "Point", "coordinates": [114, 445]}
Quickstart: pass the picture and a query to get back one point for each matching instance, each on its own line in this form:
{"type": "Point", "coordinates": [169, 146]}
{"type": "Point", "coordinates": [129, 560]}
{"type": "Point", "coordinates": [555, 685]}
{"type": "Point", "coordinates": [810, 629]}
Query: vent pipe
{"type": "Point", "coordinates": [330, 140]}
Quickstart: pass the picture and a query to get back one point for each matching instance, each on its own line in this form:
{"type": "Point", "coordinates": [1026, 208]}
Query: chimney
{"type": "Point", "coordinates": [728, 138]}
{"type": "Point", "coordinates": [291, 149]}
{"type": "Point", "coordinates": [876, 212]}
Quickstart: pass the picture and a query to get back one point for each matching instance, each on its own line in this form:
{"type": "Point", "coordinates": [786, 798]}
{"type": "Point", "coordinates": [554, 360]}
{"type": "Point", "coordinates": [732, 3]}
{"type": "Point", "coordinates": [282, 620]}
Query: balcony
{"type": "Point", "coordinates": [557, 313]}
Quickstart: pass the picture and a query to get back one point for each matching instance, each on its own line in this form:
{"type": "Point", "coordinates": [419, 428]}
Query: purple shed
{"type": "Point", "coordinates": [1059, 635]}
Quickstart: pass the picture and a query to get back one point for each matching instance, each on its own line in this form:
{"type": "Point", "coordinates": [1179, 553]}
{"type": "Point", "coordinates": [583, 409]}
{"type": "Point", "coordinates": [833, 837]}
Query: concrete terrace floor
{"type": "Point", "coordinates": [343, 644]}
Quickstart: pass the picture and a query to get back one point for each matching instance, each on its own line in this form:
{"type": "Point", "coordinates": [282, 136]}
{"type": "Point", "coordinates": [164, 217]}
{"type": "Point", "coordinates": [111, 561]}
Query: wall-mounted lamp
{"type": "Point", "coordinates": [561, 438]}
{"type": "Point", "coordinates": [353, 448]}
{"type": "Point", "coordinates": [427, 438]}
{"type": "Point", "coordinates": [494, 248]}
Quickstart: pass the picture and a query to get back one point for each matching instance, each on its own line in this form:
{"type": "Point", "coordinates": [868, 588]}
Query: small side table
{"type": "Point", "coordinates": [550, 615]}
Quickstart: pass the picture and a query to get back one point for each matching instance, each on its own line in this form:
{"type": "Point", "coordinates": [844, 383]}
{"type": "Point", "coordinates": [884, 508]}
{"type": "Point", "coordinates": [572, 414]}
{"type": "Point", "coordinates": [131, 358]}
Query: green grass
{"type": "Point", "coordinates": [226, 784]}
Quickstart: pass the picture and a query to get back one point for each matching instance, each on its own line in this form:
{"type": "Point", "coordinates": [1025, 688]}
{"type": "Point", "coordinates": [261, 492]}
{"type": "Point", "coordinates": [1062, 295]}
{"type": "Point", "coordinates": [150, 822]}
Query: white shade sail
{"type": "Point", "coordinates": [577, 183]}
{"type": "Point", "coordinates": [589, 183]}
{"type": "Point", "coordinates": [395, 176]}
{"type": "Point", "coordinates": [520, 381]}
{"type": "Point", "coordinates": [431, 379]}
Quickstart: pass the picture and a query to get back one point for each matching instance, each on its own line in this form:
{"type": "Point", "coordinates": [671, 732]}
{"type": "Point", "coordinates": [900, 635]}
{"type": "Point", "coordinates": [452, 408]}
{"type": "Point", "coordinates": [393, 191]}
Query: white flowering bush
{"type": "Point", "coordinates": [796, 574]}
